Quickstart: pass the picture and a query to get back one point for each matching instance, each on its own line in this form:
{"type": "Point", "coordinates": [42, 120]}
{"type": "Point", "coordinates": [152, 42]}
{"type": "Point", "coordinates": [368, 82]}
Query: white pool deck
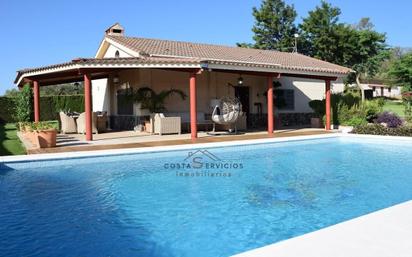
{"type": "Point", "coordinates": [384, 233]}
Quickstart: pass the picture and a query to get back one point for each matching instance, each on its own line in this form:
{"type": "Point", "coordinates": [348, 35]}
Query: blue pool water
{"type": "Point", "coordinates": [137, 205]}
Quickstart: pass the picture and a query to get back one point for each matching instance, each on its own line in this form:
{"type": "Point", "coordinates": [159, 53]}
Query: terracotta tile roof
{"type": "Point", "coordinates": [219, 54]}
{"type": "Point", "coordinates": [116, 61]}
{"type": "Point", "coordinates": [82, 62]}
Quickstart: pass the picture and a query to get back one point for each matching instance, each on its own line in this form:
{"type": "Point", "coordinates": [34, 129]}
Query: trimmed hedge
{"type": "Point", "coordinates": [380, 130]}
{"type": "Point", "coordinates": [49, 107]}
{"type": "Point", "coordinates": [7, 109]}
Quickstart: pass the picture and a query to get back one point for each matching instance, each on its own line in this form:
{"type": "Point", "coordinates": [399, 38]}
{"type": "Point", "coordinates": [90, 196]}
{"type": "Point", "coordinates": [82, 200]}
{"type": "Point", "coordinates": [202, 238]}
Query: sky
{"type": "Point", "coordinates": [42, 32]}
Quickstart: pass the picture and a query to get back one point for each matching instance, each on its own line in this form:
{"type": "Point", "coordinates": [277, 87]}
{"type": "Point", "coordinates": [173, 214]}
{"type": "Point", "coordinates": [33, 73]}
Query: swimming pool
{"type": "Point", "coordinates": [154, 204]}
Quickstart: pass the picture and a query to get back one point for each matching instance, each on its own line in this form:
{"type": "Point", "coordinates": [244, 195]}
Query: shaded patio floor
{"type": "Point", "coordinates": [131, 139]}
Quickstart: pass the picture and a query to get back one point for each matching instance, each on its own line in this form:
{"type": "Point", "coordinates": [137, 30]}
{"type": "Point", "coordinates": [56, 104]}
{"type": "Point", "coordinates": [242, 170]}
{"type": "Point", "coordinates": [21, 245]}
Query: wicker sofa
{"type": "Point", "coordinates": [81, 123]}
{"type": "Point", "coordinates": [68, 124]}
{"type": "Point", "coordinates": [185, 118]}
{"type": "Point", "coordinates": [166, 125]}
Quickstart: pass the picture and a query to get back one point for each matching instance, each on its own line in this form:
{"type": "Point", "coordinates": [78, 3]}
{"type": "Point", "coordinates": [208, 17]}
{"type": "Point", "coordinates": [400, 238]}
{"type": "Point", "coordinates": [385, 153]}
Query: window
{"type": "Point", "coordinates": [285, 99]}
{"type": "Point", "coordinates": [389, 89]}
{"type": "Point", "coordinates": [124, 102]}
{"type": "Point", "coordinates": [117, 54]}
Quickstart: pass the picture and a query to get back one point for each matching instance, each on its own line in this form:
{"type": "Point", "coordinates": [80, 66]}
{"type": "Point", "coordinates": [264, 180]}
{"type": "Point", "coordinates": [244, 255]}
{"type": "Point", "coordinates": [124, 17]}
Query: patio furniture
{"type": "Point", "coordinates": [81, 123]}
{"type": "Point", "coordinates": [102, 122]}
{"type": "Point", "coordinates": [240, 124]}
{"type": "Point", "coordinates": [148, 126]}
{"type": "Point", "coordinates": [227, 112]}
{"type": "Point", "coordinates": [166, 125]}
{"type": "Point", "coordinates": [68, 124]}
{"type": "Point", "coordinates": [185, 118]}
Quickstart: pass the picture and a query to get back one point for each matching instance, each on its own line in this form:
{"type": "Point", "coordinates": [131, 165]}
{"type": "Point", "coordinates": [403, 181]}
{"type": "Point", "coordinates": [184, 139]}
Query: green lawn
{"type": "Point", "coordinates": [9, 142]}
{"type": "Point", "coordinates": [395, 107]}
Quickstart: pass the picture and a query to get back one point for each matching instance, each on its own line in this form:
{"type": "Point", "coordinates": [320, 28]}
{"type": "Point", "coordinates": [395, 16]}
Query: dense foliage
{"type": "Point", "coordinates": [274, 27]}
{"type": "Point", "coordinates": [390, 119]}
{"type": "Point", "coordinates": [378, 129]}
{"type": "Point", "coordinates": [400, 72]}
{"type": "Point", "coordinates": [348, 109]}
{"type": "Point", "coordinates": [7, 109]}
{"type": "Point", "coordinates": [24, 104]}
{"type": "Point", "coordinates": [321, 35]}
{"type": "Point", "coordinates": [49, 107]}
{"type": "Point", "coordinates": [63, 89]}
{"type": "Point", "coordinates": [37, 126]}
{"type": "Point", "coordinates": [154, 102]}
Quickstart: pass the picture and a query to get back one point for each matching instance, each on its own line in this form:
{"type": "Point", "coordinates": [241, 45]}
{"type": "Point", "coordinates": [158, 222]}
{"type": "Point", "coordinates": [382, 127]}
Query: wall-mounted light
{"type": "Point", "coordinates": [240, 81]}
{"type": "Point", "coordinates": [116, 79]}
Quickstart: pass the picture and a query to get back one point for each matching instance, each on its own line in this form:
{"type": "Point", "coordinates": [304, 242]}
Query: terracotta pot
{"type": "Point", "coordinates": [32, 137]}
{"type": "Point", "coordinates": [47, 138]}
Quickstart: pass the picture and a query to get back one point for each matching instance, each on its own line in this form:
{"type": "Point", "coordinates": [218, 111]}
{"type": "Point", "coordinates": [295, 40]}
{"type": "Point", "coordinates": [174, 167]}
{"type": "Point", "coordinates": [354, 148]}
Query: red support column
{"type": "Point", "coordinates": [270, 104]}
{"type": "Point", "coordinates": [36, 96]}
{"type": "Point", "coordinates": [88, 106]}
{"type": "Point", "coordinates": [327, 97]}
{"type": "Point", "coordinates": [193, 111]}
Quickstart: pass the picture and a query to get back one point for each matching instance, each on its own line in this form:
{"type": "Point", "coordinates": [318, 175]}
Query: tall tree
{"type": "Point", "coordinates": [274, 27]}
{"type": "Point", "coordinates": [319, 29]}
{"type": "Point", "coordinates": [401, 72]}
{"type": "Point", "coordinates": [368, 53]}
{"type": "Point", "coordinates": [11, 92]}
{"type": "Point", "coordinates": [358, 46]}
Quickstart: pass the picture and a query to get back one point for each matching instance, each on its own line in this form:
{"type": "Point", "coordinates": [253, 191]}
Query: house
{"type": "Point", "coordinates": [204, 72]}
{"type": "Point", "coordinates": [378, 88]}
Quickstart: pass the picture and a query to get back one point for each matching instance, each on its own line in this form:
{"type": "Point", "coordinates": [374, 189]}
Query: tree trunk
{"type": "Point", "coordinates": [359, 86]}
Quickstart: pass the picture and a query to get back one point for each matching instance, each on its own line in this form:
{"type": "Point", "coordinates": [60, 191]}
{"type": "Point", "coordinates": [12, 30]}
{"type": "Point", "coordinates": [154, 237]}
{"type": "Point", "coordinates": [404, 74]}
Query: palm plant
{"type": "Point", "coordinates": [155, 102]}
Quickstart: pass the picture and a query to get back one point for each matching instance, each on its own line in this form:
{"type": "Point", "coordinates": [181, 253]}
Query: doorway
{"type": "Point", "coordinates": [242, 93]}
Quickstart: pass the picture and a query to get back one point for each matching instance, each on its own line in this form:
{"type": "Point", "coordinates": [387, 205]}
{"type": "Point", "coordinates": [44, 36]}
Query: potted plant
{"type": "Point", "coordinates": [152, 101]}
{"type": "Point", "coordinates": [41, 134]}
{"type": "Point", "coordinates": [148, 99]}
{"type": "Point", "coordinates": [318, 107]}
{"type": "Point", "coordinates": [46, 134]}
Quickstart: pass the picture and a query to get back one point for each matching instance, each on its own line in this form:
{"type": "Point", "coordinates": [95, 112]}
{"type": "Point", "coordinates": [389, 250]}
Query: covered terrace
{"type": "Point", "coordinates": [89, 69]}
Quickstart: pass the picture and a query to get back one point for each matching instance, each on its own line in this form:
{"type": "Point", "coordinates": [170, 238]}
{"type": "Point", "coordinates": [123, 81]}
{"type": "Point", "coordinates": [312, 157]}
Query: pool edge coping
{"type": "Point", "coordinates": [154, 149]}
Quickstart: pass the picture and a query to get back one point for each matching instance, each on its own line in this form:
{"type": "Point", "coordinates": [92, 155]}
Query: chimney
{"type": "Point", "coordinates": [115, 30]}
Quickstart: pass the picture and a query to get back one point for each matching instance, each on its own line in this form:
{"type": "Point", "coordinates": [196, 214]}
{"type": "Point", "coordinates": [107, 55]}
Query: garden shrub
{"type": "Point", "coordinates": [7, 109]}
{"type": "Point", "coordinates": [24, 104]}
{"type": "Point", "coordinates": [371, 108]}
{"type": "Point", "coordinates": [355, 121]}
{"type": "Point", "coordinates": [378, 129]}
{"type": "Point", "coordinates": [49, 107]}
{"type": "Point", "coordinates": [407, 102]}
{"type": "Point", "coordinates": [390, 119]}
{"type": "Point", "coordinates": [318, 107]}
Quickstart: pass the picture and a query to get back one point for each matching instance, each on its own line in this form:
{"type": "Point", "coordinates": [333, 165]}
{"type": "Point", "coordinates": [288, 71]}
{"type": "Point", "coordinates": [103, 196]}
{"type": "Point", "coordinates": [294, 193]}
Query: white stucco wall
{"type": "Point", "coordinates": [216, 85]}
{"type": "Point", "coordinates": [306, 90]}
{"type": "Point", "coordinates": [111, 51]}
{"type": "Point", "coordinates": [100, 95]}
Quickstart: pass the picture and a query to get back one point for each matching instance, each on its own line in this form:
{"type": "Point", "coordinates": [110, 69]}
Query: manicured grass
{"type": "Point", "coordinates": [9, 142]}
{"type": "Point", "coordinates": [395, 107]}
